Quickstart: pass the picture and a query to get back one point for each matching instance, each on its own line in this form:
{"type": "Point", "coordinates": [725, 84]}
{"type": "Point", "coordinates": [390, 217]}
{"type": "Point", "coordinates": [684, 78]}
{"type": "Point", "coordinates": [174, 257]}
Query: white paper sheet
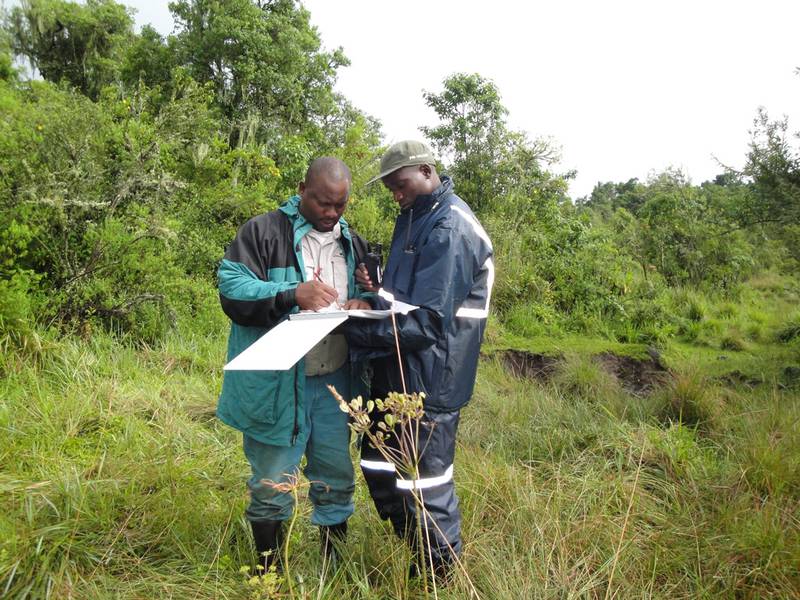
{"type": "Point", "coordinates": [286, 343]}
{"type": "Point", "coordinates": [355, 312]}
{"type": "Point", "coordinates": [397, 305]}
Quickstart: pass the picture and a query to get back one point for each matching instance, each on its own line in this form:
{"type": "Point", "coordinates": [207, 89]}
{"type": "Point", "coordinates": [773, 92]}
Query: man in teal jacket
{"type": "Point", "coordinates": [300, 256]}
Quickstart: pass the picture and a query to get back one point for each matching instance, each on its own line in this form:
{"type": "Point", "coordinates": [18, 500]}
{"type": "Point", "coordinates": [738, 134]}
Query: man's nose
{"type": "Point", "coordinates": [398, 195]}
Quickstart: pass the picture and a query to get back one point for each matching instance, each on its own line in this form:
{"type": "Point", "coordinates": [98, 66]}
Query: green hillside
{"type": "Point", "coordinates": [635, 427]}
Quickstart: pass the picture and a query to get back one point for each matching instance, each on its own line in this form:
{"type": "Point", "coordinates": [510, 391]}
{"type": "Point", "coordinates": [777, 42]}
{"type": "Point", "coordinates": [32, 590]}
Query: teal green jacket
{"type": "Point", "coordinates": [257, 281]}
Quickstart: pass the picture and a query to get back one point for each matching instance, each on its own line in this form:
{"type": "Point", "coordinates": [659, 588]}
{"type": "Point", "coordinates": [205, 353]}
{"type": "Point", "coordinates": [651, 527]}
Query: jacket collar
{"type": "Point", "coordinates": [426, 202]}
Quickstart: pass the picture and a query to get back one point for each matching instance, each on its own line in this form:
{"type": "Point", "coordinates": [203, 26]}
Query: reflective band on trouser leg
{"type": "Point", "coordinates": [380, 475]}
{"type": "Point", "coordinates": [434, 486]}
{"type": "Point", "coordinates": [427, 482]}
{"type": "Point", "coordinates": [377, 465]}
{"type": "Point", "coordinates": [472, 313]}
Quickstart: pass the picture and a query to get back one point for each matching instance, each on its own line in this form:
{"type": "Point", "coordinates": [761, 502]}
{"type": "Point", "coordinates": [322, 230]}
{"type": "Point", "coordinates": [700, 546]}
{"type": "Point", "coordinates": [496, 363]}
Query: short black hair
{"type": "Point", "coordinates": [329, 167]}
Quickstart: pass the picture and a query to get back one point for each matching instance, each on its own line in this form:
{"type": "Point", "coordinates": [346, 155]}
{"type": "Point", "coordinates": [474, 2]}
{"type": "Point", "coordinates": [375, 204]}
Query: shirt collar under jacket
{"type": "Point", "coordinates": [291, 208]}
{"type": "Point", "coordinates": [326, 237]}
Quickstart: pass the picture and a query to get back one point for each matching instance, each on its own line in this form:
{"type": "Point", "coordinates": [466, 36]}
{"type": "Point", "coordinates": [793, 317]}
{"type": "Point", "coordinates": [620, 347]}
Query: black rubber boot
{"type": "Point", "coordinates": [268, 537]}
{"type": "Point", "coordinates": [442, 571]}
{"type": "Point", "coordinates": [331, 536]}
{"type": "Point", "coordinates": [405, 527]}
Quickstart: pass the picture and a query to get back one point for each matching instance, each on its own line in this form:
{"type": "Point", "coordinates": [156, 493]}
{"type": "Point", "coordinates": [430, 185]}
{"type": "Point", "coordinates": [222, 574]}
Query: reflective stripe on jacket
{"type": "Point", "coordinates": [441, 260]}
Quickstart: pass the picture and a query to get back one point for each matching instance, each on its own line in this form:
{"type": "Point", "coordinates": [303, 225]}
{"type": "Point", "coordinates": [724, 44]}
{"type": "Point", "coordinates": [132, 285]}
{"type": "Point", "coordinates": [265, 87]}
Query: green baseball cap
{"type": "Point", "coordinates": [404, 154]}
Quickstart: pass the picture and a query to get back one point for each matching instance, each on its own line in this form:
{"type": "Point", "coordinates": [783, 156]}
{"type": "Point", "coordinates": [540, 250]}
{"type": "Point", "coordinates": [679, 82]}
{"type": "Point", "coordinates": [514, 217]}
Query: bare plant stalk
{"type": "Point", "coordinates": [397, 348]}
{"type": "Point", "coordinates": [286, 568]}
{"type": "Point", "coordinates": [402, 418]}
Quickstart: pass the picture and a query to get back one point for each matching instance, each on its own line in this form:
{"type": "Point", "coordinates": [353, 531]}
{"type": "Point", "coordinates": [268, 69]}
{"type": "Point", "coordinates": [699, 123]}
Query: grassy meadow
{"type": "Point", "coordinates": [118, 482]}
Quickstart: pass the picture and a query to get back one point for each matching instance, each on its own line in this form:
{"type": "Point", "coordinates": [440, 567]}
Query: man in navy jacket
{"type": "Point", "coordinates": [441, 261]}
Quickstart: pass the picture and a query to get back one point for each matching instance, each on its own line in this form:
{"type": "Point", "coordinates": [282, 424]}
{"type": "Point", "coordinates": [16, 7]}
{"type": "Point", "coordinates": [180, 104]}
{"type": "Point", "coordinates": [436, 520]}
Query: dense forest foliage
{"type": "Point", "coordinates": [129, 159]}
{"type": "Point", "coordinates": [127, 169]}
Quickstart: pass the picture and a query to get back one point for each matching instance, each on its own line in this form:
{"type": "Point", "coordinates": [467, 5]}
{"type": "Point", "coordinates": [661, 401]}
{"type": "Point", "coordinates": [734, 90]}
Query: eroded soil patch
{"type": "Point", "coordinates": [638, 375]}
{"type": "Point", "coordinates": [529, 364]}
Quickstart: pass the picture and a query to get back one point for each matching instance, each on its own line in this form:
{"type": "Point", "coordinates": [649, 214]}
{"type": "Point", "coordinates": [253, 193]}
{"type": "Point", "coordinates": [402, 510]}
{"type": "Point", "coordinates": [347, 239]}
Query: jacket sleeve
{"type": "Point", "coordinates": [441, 279]}
{"type": "Point", "coordinates": [246, 293]}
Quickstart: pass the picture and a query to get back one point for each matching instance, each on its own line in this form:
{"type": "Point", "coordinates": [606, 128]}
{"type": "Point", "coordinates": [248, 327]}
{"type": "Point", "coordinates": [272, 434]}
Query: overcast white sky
{"type": "Point", "coordinates": [625, 87]}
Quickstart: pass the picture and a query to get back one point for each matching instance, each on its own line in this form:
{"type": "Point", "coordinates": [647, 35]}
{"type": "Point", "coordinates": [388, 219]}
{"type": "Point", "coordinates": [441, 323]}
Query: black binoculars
{"type": "Point", "coordinates": [374, 261]}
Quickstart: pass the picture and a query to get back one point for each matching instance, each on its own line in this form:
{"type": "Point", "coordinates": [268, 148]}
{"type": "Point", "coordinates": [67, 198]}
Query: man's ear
{"type": "Point", "coordinates": [301, 188]}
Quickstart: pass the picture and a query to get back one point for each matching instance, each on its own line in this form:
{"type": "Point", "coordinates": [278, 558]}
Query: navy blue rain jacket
{"type": "Point", "coordinates": [440, 260]}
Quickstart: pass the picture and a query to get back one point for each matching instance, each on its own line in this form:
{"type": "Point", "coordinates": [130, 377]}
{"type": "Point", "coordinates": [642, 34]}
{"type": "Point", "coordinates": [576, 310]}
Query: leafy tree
{"type": "Point", "coordinates": [116, 201]}
{"type": "Point", "coordinates": [7, 70]}
{"type": "Point", "coordinates": [472, 132]}
{"type": "Point", "coordinates": [521, 169]}
{"type": "Point", "coordinates": [263, 60]}
{"type": "Point", "coordinates": [149, 60]}
{"type": "Point", "coordinates": [773, 165]}
{"type": "Point", "coordinates": [66, 41]}
{"type": "Point", "coordinates": [486, 158]}
{"type": "Point", "coordinates": [559, 269]}
{"type": "Point", "coordinates": [687, 233]}
{"type": "Point", "coordinates": [96, 199]}
{"type": "Point", "coordinates": [609, 196]}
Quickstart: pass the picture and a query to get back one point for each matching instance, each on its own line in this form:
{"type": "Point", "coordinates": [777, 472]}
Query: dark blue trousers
{"type": "Point", "coordinates": [394, 491]}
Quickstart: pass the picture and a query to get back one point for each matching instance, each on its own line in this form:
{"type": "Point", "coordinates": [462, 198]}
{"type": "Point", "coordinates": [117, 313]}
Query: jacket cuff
{"type": "Point", "coordinates": [285, 300]}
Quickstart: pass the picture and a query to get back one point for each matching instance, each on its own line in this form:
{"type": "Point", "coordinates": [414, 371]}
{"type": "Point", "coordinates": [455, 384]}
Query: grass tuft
{"type": "Point", "coordinates": [733, 340]}
{"type": "Point", "coordinates": [688, 399]}
{"type": "Point", "coordinates": [789, 330]}
{"type": "Point", "coordinates": [584, 377]}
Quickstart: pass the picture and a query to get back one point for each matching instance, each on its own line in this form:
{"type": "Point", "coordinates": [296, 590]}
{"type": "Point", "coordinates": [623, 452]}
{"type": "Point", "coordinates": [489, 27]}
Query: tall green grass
{"type": "Point", "coordinates": [116, 481]}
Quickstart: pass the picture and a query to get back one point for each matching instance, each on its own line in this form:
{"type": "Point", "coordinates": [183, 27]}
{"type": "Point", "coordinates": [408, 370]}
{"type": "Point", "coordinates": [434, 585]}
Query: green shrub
{"type": "Point", "coordinates": [789, 330]}
{"type": "Point", "coordinates": [532, 319]}
{"type": "Point", "coordinates": [678, 451]}
{"type": "Point", "coordinates": [754, 332]}
{"type": "Point", "coordinates": [733, 340]}
{"type": "Point", "coordinates": [757, 316]}
{"type": "Point", "coordinates": [709, 332]}
{"type": "Point", "coordinates": [16, 313]}
{"type": "Point", "coordinates": [695, 311]}
{"type": "Point", "coordinates": [113, 206]}
{"type": "Point", "coordinates": [728, 310]}
{"type": "Point", "coordinates": [770, 459]}
{"type": "Point", "coordinates": [688, 303]}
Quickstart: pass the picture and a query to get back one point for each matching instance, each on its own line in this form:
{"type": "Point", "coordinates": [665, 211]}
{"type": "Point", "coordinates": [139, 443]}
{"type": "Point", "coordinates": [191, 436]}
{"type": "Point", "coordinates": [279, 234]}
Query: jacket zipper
{"type": "Point", "coordinates": [408, 248]}
{"type": "Point", "coordinates": [296, 428]}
